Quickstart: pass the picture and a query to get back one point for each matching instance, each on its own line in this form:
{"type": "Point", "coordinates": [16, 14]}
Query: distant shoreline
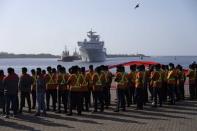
{"type": "Point", "coordinates": [5, 55]}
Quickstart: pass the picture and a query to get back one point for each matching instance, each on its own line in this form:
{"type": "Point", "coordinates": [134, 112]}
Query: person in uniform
{"type": "Point", "coordinates": [192, 82]}
{"type": "Point", "coordinates": [172, 83]}
{"type": "Point", "coordinates": [139, 88]}
{"type": "Point", "coordinates": [121, 80]}
{"type": "Point", "coordinates": [164, 72]}
{"type": "Point", "coordinates": [62, 89]}
{"type": "Point", "coordinates": [108, 77]}
{"type": "Point", "coordinates": [51, 87]}
{"type": "Point", "coordinates": [89, 76]}
{"type": "Point", "coordinates": [157, 78]}
{"type": "Point", "coordinates": [75, 96]}
{"type": "Point", "coordinates": [84, 89]}
{"type": "Point", "coordinates": [2, 97]}
{"type": "Point", "coordinates": [180, 82]}
{"type": "Point", "coordinates": [25, 83]}
{"type": "Point", "coordinates": [131, 83]}
{"type": "Point", "coordinates": [98, 80]}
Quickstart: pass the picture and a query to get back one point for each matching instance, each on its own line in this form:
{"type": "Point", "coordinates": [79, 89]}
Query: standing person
{"type": "Point", "coordinates": [121, 80]}
{"type": "Point", "coordinates": [51, 85]}
{"type": "Point", "coordinates": [164, 82]}
{"type": "Point", "coordinates": [180, 82]}
{"type": "Point", "coordinates": [84, 89]}
{"type": "Point", "coordinates": [40, 92]}
{"type": "Point", "coordinates": [192, 82]}
{"type": "Point", "coordinates": [172, 83]}
{"type": "Point", "coordinates": [195, 69]}
{"type": "Point", "coordinates": [33, 88]}
{"type": "Point", "coordinates": [151, 69]}
{"type": "Point", "coordinates": [108, 77]}
{"type": "Point", "coordinates": [2, 97]}
{"type": "Point", "coordinates": [157, 78]}
{"type": "Point", "coordinates": [131, 83]}
{"type": "Point", "coordinates": [75, 91]}
{"type": "Point", "coordinates": [25, 83]}
{"type": "Point", "coordinates": [90, 74]}
{"type": "Point", "coordinates": [62, 89]}
{"type": "Point", "coordinates": [98, 81]}
{"type": "Point", "coordinates": [146, 83]}
{"type": "Point", "coordinates": [11, 91]}
{"type": "Point", "coordinates": [105, 88]}
{"type": "Point", "coordinates": [139, 87]}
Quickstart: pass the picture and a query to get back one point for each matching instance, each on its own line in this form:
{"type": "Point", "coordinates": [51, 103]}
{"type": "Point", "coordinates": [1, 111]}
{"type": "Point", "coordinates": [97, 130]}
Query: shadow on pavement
{"type": "Point", "coordinates": [16, 126]}
{"type": "Point", "coordinates": [69, 118]}
{"type": "Point", "coordinates": [98, 116]}
{"type": "Point", "coordinates": [41, 121]}
{"type": "Point", "coordinates": [132, 115]}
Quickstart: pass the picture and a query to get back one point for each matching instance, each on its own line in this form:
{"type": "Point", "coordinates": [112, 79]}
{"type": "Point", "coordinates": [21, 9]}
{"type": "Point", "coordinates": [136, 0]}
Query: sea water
{"type": "Point", "coordinates": [33, 63]}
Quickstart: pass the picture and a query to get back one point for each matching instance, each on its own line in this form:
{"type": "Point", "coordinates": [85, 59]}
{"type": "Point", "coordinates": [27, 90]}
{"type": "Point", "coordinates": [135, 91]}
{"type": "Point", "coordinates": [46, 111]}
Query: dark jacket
{"type": "Point", "coordinates": [25, 83]}
{"type": "Point", "coordinates": [11, 84]}
{"type": "Point", "coordinates": [1, 85]}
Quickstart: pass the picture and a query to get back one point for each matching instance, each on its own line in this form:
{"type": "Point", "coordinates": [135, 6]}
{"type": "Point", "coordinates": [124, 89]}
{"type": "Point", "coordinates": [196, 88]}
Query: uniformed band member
{"type": "Point", "coordinates": [192, 81]}
{"type": "Point", "coordinates": [139, 87]}
{"type": "Point", "coordinates": [121, 80]}
{"type": "Point", "coordinates": [98, 84]}
{"type": "Point", "coordinates": [156, 81]}
{"type": "Point", "coordinates": [172, 83]}
{"type": "Point", "coordinates": [131, 83]}
{"type": "Point", "coordinates": [85, 90]}
{"type": "Point", "coordinates": [51, 87]}
{"type": "Point", "coordinates": [62, 89]}
{"type": "Point", "coordinates": [75, 96]}
{"type": "Point", "coordinates": [90, 74]}
{"type": "Point", "coordinates": [107, 94]}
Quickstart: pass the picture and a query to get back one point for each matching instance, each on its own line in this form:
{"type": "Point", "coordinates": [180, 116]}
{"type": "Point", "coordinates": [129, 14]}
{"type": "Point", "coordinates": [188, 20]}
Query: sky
{"type": "Point", "coordinates": [157, 27]}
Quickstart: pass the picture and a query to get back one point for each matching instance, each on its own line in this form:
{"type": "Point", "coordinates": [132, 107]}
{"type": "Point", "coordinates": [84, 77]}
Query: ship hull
{"type": "Point", "coordinates": [92, 55]}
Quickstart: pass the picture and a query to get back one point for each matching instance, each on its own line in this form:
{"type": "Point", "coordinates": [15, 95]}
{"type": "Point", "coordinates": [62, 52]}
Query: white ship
{"type": "Point", "coordinates": [92, 50]}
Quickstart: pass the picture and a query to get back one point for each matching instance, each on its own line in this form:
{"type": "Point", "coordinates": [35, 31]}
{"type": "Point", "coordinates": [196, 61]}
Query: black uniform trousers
{"type": "Point", "coordinates": [23, 96]}
{"type": "Point", "coordinates": [107, 95]}
{"type": "Point", "coordinates": [157, 92]}
{"type": "Point", "coordinates": [53, 94]}
{"type": "Point", "coordinates": [75, 100]}
{"type": "Point", "coordinates": [172, 93]}
{"type": "Point", "coordinates": [139, 97]}
{"type": "Point", "coordinates": [33, 94]}
{"type": "Point", "coordinates": [63, 99]}
{"type": "Point", "coordinates": [121, 98]}
{"type": "Point", "coordinates": [98, 97]}
{"type": "Point", "coordinates": [192, 91]}
{"type": "Point", "coordinates": [85, 100]}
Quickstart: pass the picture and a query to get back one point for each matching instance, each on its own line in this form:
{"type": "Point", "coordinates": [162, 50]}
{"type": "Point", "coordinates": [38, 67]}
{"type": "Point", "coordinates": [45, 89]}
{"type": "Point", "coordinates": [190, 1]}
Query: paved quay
{"type": "Point", "coordinates": [179, 117]}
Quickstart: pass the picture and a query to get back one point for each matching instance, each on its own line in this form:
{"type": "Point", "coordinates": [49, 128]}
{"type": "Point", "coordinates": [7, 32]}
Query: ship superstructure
{"type": "Point", "coordinates": [92, 50]}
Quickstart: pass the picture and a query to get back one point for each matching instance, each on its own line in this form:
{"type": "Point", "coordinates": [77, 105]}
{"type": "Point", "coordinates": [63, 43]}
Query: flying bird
{"type": "Point", "coordinates": [137, 6]}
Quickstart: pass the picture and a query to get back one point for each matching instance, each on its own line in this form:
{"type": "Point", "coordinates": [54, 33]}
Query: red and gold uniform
{"type": "Point", "coordinates": [51, 89]}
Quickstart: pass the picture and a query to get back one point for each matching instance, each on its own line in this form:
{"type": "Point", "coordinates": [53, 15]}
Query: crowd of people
{"type": "Point", "coordinates": [78, 89]}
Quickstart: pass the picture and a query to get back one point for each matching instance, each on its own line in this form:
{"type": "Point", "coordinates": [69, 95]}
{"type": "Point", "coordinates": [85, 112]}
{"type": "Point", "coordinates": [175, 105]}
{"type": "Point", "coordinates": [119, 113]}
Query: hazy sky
{"type": "Point", "coordinates": [158, 27]}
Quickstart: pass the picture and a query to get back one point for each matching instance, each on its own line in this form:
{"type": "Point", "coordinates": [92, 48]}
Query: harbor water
{"type": "Point", "coordinates": [32, 63]}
